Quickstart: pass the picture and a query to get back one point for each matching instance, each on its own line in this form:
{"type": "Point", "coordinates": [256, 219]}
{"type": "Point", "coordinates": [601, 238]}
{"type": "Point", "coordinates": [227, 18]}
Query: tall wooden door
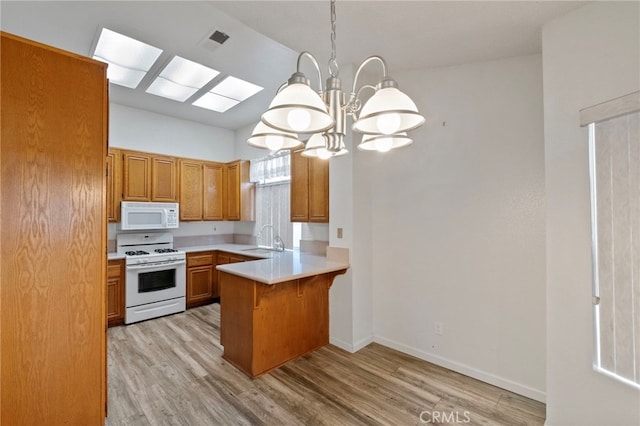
{"type": "Point", "coordinates": [53, 236]}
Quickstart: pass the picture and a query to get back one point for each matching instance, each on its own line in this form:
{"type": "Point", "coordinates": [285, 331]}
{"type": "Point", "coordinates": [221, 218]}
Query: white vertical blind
{"type": "Point", "coordinates": [615, 175]}
{"type": "Point", "coordinates": [272, 175]}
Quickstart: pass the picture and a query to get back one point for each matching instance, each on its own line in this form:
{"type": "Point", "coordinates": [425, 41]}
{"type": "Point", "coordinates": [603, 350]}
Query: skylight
{"type": "Point", "coordinates": [237, 89]}
{"type": "Point", "coordinates": [128, 59]}
{"type": "Point", "coordinates": [181, 78]}
{"type": "Point", "coordinates": [215, 102]}
{"type": "Point", "coordinates": [227, 94]}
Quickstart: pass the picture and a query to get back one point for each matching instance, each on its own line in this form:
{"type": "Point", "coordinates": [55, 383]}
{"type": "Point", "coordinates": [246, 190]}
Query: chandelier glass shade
{"type": "Point", "coordinates": [297, 109]}
{"type": "Point", "coordinates": [384, 143]}
{"type": "Point", "coordinates": [272, 139]}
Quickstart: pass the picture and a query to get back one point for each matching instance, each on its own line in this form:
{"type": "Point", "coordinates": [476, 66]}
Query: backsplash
{"type": "Point", "coordinates": [202, 240]}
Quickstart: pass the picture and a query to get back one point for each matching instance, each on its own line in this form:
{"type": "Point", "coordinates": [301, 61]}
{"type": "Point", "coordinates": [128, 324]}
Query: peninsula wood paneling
{"type": "Point", "coordinates": [53, 243]}
{"type": "Point", "coordinates": [264, 326]}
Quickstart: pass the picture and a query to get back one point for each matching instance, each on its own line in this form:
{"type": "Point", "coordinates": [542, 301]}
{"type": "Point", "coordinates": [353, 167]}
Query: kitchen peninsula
{"type": "Point", "coordinates": [276, 309]}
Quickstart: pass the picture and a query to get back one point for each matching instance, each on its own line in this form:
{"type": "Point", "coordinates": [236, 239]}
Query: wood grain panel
{"type": "Point", "coordinates": [53, 263]}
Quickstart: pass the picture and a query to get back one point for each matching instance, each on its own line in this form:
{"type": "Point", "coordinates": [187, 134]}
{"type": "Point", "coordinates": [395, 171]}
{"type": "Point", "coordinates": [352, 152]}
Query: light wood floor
{"type": "Point", "coordinates": [169, 371]}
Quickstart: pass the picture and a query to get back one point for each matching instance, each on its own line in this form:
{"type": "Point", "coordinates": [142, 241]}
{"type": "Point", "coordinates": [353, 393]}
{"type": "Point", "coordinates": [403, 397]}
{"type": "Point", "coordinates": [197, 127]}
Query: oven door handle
{"type": "Point", "coordinates": [155, 265]}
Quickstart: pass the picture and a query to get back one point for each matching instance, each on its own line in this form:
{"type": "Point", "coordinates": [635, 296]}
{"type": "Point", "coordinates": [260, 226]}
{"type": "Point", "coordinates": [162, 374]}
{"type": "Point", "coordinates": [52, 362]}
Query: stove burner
{"type": "Point", "coordinates": [135, 253]}
{"type": "Point", "coordinates": [166, 250]}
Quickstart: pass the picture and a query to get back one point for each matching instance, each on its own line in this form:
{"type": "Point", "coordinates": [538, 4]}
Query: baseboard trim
{"type": "Point", "coordinates": [342, 344]}
{"type": "Point", "coordinates": [501, 382]}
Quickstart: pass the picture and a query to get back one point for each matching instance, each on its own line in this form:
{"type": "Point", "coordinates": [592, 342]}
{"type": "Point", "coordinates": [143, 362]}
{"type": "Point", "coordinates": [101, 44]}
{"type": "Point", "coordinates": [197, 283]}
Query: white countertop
{"type": "Point", "coordinates": [230, 248]}
{"type": "Point", "coordinates": [283, 266]}
{"type": "Point", "coordinates": [273, 267]}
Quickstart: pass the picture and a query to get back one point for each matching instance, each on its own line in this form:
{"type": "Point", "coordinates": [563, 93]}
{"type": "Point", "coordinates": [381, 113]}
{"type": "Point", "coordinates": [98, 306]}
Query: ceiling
{"type": "Point", "coordinates": [265, 37]}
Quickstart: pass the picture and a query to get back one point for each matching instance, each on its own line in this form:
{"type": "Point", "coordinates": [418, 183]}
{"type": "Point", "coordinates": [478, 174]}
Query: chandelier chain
{"type": "Point", "coordinates": [333, 63]}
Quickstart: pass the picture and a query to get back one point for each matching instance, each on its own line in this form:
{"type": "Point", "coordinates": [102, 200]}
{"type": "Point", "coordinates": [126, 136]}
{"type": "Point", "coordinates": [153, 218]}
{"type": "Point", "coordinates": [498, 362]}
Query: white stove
{"type": "Point", "coordinates": [155, 275]}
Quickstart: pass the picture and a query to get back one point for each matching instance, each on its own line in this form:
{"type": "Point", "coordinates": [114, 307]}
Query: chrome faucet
{"type": "Point", "coordinates": [277, 243]}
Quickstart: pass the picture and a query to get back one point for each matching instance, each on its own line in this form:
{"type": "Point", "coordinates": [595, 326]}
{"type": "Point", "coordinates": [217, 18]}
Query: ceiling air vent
{"type": "Point", "coordinates": [219, 37]}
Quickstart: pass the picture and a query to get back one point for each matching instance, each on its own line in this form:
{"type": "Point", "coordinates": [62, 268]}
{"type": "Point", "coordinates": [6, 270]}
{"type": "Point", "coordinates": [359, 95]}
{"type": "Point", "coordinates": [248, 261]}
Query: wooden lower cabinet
{"type": "Point", "coordinates": [115, 292]}
{"type": "Point", "coordinates": [202, 283]}
{"type": "Point", "coordinates": [203, 278]}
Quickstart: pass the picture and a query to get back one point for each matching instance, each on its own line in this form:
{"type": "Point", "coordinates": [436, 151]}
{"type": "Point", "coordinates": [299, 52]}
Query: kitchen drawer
{"type": "Point", "coordinates": [113, 270]}
{"type": "Point", "coordinates": [200, 259]}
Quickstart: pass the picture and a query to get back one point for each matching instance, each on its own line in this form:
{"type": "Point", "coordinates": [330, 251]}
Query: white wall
{"type": "Point", "coordinates": [590, 55]}
{"type": "Point", "coordinates": [146, 131]}
{"type": "Point", "coordinates": [458, 225]}
{"type": "Point", "coordinates": [135, 129]}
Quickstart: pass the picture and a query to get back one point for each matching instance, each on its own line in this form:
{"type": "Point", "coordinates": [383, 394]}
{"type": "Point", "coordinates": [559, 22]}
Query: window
{"type": "Point", "coordinates": [272, 176]}
{"type": "Point", "coordinates": [614, 151]}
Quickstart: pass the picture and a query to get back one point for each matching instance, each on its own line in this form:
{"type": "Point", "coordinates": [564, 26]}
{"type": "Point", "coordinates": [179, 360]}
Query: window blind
{"type": "Point", "coordinates": [272, 175]}
{"type": "Point", "coordinates": [615, 193]}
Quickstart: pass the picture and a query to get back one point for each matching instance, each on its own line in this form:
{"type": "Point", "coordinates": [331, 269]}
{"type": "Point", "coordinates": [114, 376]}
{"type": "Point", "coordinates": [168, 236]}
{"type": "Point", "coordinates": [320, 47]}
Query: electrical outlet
{"type": "Point", "coordinates": [439, 328]}
{"type": "Point", "coordinates": [339, 232]}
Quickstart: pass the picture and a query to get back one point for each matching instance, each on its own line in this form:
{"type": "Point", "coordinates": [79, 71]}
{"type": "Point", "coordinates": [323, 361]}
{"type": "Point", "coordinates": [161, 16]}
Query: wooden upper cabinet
{"type": "Point", "coordinates": [164, 172]}
{"type": "Point", "coordinates": [137, 176]}
{"type": "Point", "coordinates": [232, 182]}
{"type": "Point", "coordinates": [299, 187]}
{"type": "Point", "coordinates": [213, 202]}
{"type": "Point", "coordinates": [309, 189]}
{"type": "Point", "coordinates": [318, 190]}
{"type": "Point", "coordinates": [114, 184]}
{"type": "Point", "coordinates": [149, 177]}
{"type": "Point", "coordinates": [240, 192]}
{"type": "Point", "coordinates": [191, 188]}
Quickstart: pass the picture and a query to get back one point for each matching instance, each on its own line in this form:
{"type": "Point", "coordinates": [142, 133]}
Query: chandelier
{"type": "Point", "coordinates": [297, 109]}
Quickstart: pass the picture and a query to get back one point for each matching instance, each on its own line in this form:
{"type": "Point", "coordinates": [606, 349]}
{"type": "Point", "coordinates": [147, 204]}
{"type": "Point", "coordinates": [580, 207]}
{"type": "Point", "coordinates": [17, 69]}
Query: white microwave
{"type": "Point", "coordinates": [143, 216]}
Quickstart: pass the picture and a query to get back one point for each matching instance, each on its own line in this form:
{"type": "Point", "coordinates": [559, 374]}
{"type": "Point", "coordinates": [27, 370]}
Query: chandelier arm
{"type": "Point", "coordinates": [315, 64]}
{"type": "Point", "coordinates": [366, 86]}
{"type": "Point", "coordinates": [363, 64]}
{"type": "Point", "coordinates": [282, 86]}
{"type": "Point", "coordinates": [354, 103]}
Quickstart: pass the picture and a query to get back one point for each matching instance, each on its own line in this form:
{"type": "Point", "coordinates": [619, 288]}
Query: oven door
{"type": "Point", "coordinates": [148, 283]}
